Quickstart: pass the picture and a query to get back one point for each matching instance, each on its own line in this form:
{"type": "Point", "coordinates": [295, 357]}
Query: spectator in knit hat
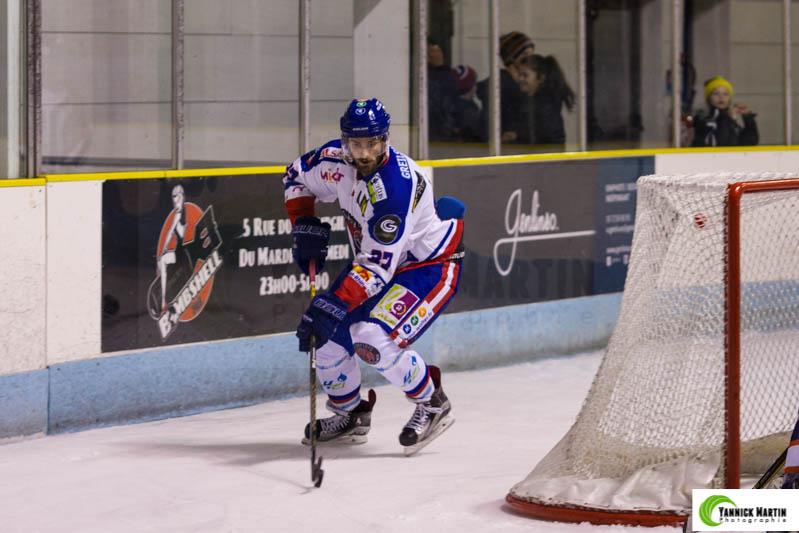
{"type": "Point", "coordinates": [725, 123]}
{"type": "Point", "coordinates": [468, 118]}
{"type": "Point", "coordinates": [513, 48]}
{"type": "Point", "coordinates": [442, 95]}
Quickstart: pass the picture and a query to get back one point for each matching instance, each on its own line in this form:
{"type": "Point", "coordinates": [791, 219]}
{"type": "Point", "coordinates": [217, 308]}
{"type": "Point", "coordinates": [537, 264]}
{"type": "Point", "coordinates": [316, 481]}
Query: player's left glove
{"type": "Point", "coordinates": [310, 237]}
{"type": "Point", "coordinates": [321, 319]}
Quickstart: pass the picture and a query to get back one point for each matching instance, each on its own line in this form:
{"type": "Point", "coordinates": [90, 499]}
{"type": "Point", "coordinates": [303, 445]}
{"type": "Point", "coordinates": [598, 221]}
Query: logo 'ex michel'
{"type": "Point", "coordinates": [187, 259]}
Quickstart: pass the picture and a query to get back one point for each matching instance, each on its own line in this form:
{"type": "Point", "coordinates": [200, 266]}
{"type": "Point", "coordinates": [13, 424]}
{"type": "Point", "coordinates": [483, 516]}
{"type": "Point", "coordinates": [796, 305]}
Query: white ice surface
{"type": "Point", "coordinates": [245, 470]}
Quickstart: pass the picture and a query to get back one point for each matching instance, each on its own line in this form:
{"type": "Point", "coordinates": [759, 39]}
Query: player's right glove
{"type": "Point", "coordinates": [310, 237]}
{"type": "Point", "coordinates": [321, 319]}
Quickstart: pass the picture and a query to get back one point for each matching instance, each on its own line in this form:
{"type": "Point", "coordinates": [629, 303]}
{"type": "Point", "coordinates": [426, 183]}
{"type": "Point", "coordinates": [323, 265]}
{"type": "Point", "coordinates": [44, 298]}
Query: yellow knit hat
{"type": "Point", "coordinates": [714, 83]}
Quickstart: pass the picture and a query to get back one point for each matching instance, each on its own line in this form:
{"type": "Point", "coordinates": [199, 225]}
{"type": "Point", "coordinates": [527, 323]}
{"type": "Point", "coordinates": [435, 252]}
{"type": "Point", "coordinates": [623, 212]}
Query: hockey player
{"type": "Point", "coordinates": [407, 255]}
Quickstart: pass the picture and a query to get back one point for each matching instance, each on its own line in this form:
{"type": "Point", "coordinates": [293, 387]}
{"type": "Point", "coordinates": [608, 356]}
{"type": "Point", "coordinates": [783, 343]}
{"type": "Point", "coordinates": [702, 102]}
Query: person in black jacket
{"type": "Point", "coordinates": [513, 48]}
{"type": "Point", "coordinates": [545, 91]}
{"type": "Point", "coordinates": [724, 123]}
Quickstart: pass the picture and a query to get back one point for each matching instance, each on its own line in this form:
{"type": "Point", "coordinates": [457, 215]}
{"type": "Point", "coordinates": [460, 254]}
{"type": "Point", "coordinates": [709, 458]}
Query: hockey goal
{"type": "Point", "coordinates": [699, 385]}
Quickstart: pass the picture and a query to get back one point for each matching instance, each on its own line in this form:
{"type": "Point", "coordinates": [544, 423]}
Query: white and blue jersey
{"type": "Point", "coordinates": [405, 270]}
{"type": "Point", "coordinates": [390, 215]}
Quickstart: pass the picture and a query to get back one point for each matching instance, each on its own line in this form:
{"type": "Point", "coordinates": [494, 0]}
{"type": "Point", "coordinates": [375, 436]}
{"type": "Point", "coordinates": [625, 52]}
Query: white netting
{"type": "Point", "coordinates": [652, 426]}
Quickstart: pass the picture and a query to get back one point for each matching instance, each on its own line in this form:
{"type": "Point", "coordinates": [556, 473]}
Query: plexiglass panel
{"type": "Point", "coordinates": [736, 50]}
{"type": "Point", "coordinates": [457, 74]}
{"type": "Point", "coordinates": [628, 74]}
{"type": "Point", "coordinates": [241, 82]}
{"type": "Point", "coordinates": [538, 47]}
{"type": "Point", "coordinates": [106, 85]}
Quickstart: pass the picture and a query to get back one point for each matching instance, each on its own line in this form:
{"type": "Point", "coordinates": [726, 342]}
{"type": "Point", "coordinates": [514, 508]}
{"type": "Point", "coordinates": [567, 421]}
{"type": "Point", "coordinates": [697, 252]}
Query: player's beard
{"type": "Point", "coordinates": [366, 166]}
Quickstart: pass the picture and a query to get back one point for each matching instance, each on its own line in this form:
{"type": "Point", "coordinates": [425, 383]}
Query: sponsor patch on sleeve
{"type": "Point", "coordinates": [377, 190]}
{"type": "Point", "coordinates": [370, 283]}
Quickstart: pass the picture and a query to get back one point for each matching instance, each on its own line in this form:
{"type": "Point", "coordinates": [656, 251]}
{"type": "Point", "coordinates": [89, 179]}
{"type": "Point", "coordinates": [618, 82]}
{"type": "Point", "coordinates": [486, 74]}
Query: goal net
{"type": "Point", "coordinates": [699, 384]}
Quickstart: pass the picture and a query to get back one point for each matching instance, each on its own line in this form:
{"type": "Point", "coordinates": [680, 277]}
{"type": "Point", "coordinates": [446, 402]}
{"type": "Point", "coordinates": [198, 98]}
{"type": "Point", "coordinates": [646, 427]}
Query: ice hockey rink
{"type": "Point", "coordinates": [245, 470]}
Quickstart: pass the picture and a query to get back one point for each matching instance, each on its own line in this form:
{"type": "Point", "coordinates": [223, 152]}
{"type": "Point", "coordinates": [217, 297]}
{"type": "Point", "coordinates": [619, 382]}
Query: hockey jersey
{"type": "Point", "coordinates": [390, 215]}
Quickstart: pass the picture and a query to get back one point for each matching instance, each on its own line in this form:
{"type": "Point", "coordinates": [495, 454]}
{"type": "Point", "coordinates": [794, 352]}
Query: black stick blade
{"type": "Point", "coordinates": [317, 474]}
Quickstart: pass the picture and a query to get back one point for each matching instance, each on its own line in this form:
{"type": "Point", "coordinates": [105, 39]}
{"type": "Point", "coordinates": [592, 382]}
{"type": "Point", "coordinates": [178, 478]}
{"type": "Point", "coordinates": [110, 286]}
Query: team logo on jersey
{"type": "Point", "coordinates": [367, 352]}
{"type": "Point", "coordinates": [187, 259]}
{"type": "Point", "coordinates": [394, 305]}
{"type": "Point", "coordinates": [387, 228]}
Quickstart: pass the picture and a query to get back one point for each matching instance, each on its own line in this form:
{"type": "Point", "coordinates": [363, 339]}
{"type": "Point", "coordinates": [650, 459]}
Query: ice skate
{"type": "Point", "coordinates": [429, 420]}
{"type": "Point", "coordinates": [344, 427]}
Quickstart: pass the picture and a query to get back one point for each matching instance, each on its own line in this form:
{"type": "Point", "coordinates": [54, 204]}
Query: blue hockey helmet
{"type": "Point", "coordinates": [365, 118]}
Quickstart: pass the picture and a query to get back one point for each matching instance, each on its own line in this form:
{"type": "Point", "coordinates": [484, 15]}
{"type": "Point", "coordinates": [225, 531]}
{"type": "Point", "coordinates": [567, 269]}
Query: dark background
{"type": "Point", "coordinates": [135, 210]}
{"type": "Point", "coordinates": [547, 269]}
{"type": "Point", "coordinates": [133, 214]}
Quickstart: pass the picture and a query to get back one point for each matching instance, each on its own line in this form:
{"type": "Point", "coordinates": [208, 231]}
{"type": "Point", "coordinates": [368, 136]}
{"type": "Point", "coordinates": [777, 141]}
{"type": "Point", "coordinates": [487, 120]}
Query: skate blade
{"type": "Point", "coordinates": [444, 425]}
{"type": "Point", "coordinates": [345, 440]}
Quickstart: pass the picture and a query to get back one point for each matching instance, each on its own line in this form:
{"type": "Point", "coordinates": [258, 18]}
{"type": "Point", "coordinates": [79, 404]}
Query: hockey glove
{"type": "Point", "coordinates": [449, 207]}
{"type": "Point", "coordinates": [310, 237]}
{"type": "Point", "coordinates": [320, 320]}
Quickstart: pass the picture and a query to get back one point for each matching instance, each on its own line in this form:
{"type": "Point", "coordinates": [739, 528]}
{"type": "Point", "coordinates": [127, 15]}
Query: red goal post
{"type": "Point", "coordinates": [735, 195]}
{"type": "Point", "coordinates": [526, 501]}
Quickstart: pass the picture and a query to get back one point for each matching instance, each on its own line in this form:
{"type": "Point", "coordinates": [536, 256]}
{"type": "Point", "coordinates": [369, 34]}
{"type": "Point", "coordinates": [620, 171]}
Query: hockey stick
{"type": "Point", "coordinates": [316, 465]}
{"type": "Point", "coordinates": [772, 472]}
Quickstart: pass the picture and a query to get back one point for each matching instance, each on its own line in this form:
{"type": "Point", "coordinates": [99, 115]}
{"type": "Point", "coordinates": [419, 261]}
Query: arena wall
{"type": "Point", "coordinates": [55, 374]}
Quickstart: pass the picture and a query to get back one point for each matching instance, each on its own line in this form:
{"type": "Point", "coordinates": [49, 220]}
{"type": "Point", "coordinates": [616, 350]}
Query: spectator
{"type": "Point", "coordinates": [442, 95]}
{"type": "Point", "coordinates": [467, 113]}
{"type": "Point", "coordinates": [546, 91]}
{"type": "Point", "coordinates": [513, 48]}
{"type": "Point", "coordinates": [725, 123]}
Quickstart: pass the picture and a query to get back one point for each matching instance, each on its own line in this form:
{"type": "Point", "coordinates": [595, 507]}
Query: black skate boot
{"type": "Point", "coordinates": [429, 420]}
{"type": "Point", "coordinates": [344, 427]}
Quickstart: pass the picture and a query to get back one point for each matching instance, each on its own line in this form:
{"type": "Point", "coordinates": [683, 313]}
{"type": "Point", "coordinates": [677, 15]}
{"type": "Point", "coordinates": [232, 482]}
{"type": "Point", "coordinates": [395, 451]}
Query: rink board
{"type": "Point", "coordinates": [182, 380]}
{"type": "Point", "coordinates": [63, 367]}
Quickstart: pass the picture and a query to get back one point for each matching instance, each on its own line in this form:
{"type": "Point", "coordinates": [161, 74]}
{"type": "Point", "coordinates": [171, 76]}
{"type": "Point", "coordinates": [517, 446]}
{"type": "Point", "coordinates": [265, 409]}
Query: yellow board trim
{"type": "Point", "coordinates": [225, 171]}
{"type": "Point", "coordinates": [161, 174]}
{"type": "Point", "coordinates": [458, 162]}
{"type": "Point", "coordinates": [23, 182]}
{"type": "Point", "coordinates": [596, 154]}
{"type": "Point", "coordinates": [104, 176]}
